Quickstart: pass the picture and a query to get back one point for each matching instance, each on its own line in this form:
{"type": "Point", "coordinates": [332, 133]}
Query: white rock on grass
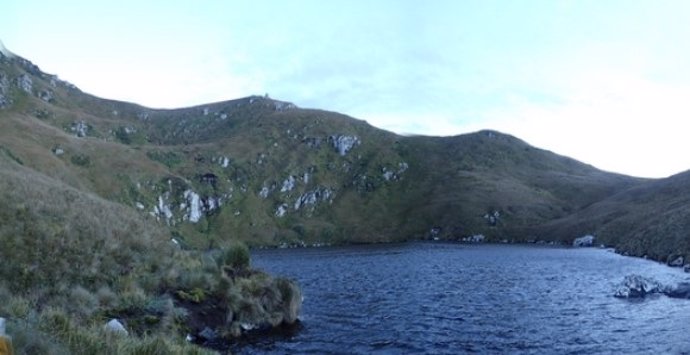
{"type": "Point", "coordinates": [344, 144]}
{"type": "Point", "coordinates": [194, 201]}
{"type": "Point", "coordinates": [25, 83]}
{"type": "Point", "coordinates": [281, 210]}
{"type": "Point", "coordinates": [288, 184]}
{"type": "Point", "coordinates": [114, 326]}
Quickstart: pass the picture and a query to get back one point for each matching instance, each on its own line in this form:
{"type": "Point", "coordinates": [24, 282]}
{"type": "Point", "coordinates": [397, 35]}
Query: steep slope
{"type": "Point", "coordinates": [71, 259]}
{"type": "Point", "coordinates": [651, 219]}
{"type": "Point", "coordinates": [267, 172]}
{"type": "Point", "coordinates": [477, 175]}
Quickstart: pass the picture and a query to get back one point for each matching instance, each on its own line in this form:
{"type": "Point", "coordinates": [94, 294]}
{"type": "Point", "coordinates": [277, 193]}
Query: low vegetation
{"type": "Point", "coordinates": [72, 261]}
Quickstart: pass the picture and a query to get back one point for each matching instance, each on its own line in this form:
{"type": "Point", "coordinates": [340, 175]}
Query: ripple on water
{"type": "Point", "coordinates": [449, 299]}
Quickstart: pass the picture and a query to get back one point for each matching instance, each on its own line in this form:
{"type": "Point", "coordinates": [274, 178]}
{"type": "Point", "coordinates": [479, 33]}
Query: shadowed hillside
{"type": "Point", "coordinates": [650, 219]}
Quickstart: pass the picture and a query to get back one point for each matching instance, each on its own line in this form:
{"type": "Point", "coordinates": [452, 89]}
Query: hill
{"type": "Point", "coordinates": [112, 209]}
{"type": "Point", "coordinates": [649, 219]}
{"type": "Point", "coordinates": [270, 173]}
{"type": "Point", "coordinates": [71, 260]}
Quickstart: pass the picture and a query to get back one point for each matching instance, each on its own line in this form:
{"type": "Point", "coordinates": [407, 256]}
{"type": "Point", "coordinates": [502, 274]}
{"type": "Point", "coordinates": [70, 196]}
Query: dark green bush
{"type": "Point", "coordinates": [236, 256]}
{"type": "Point", "coordinates": [81, 160]}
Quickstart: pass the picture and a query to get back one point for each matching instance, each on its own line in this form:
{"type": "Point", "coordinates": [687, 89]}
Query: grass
{"type": "Point", "coordinates": [72, 260]}
{"type": "Point", "coordinates": [83, 218]}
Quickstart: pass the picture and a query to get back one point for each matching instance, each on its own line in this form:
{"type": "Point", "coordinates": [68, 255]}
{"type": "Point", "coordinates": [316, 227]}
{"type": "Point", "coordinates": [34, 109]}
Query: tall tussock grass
{"type": "Point", "coordinates": [71, 261]}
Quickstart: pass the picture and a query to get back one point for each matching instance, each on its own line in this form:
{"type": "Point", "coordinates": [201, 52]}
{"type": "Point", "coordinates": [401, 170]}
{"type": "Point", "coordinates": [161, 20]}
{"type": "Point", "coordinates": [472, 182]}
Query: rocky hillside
{"type": "Point", "coordinates": [270, 173]}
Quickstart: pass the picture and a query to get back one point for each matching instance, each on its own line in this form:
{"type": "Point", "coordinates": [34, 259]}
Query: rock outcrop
{"type": "Point", "coordinates": [636, 286]}
{"type": "Point", "coordinates": [4, 91]}
{"type": "Point", "coordinates": [584, 241]}
{"type": "Point", "coordinates": [80, 128]}
{"type": "Point", "coordinates": [343, 144]}
{"type": "Point", "coordinates": [313, 197]}
{"type": "Point", "coordinates": [25, 83]}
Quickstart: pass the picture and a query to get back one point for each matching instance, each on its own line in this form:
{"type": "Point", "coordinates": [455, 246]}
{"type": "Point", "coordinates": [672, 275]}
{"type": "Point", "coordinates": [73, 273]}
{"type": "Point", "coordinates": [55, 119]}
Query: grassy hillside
{"type": "Point", "coordinates": [113, 210]}
{"type": "Point", "coordinates": [75, 253]}
{"type": "Point", "coordinates": [71, 261]}
{"type": "Point", "coordinates": [269, 173]}
{"type": "Point", "coordinates": [650, 219]}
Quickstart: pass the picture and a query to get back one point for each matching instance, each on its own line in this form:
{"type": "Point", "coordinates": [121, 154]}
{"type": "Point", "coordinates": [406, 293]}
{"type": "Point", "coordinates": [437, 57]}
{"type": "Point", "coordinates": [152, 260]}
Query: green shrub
{"type": "Point", "coordinates": [169, 159]}
{"type": "Point", "coordinates": [81, 160]}
{"type": "Point", "coordinates": [236, 256]}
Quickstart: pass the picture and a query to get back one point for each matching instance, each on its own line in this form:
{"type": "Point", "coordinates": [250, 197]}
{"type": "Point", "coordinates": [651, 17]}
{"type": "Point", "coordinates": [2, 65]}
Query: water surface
{"type": "Point", "coordinates": [450, 298]}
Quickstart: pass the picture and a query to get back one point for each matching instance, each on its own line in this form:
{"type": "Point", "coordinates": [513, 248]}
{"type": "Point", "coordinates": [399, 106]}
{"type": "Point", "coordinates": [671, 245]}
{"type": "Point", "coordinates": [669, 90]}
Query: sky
{"type": "Point", "coordinates": [605, 82]}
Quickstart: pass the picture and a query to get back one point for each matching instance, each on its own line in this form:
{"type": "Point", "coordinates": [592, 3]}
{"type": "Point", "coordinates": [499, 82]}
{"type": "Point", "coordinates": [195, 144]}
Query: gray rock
{"type": "Point", "coordinates": [288, 184]}
{"type": "Point", "coordinates": [313, 197]}
{"type": "Point", "coordinates": [114, 326]}
{"type": "Point", "coordinates": [477, 238]}
{"type": "Point", "coordinates": [636, 286]}
{"type": "Point", "coordinates": [344, 144]}
{"type": "Point", "coordinates": [682, 290]}
{"type": "Point", "coordinates": [195, 208]}
{"type": "Point", "coordinates": [281, 210]}
{"type": "Point", "coordinates": [264, 192]}
{"type": "Point", "coordinates": [584, 241]}
{"type": "Point", "coordinates": [283, 106]}
{"type": "Point", "coordinates": [2, 326]}
{"type": "Point", "coordinates": [46, 95]}
{"type": "Point", "coordinates": [4, 90]}
{"type": "Point", "coordinates": [80, 128]}
{"type": "Point", "coordinates": [677, 262]}
{"type": "Point", "coordinates": [224, 162]}
{"type": "Point", "coordinates": [25, 83]}
{"type": "Point", "coordinates": [208, 334]}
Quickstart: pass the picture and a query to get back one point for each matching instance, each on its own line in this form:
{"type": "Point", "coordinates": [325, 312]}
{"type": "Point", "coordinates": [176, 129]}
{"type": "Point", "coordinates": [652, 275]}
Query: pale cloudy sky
{"type": "Point", "coordinates": [605, 82]}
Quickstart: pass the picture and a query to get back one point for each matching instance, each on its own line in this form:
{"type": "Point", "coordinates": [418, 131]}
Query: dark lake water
{"type": "Point", "coordinates": [441, 298]}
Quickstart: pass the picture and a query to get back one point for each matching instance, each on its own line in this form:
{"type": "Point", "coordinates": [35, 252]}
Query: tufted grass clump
{"type": "Point", "coordinates": [236, 256]}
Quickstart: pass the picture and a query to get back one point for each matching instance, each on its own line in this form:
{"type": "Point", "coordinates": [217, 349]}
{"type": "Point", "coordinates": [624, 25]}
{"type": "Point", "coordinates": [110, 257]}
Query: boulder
{"type": "Point", "coordinates": [115, 327]}
{"type": "Point", "coordinates": [677, 262]}
{"type": "Point", "coordinates": [682, 290]}
{"type": "Point", "coordinates": [584, 241]}
{"type": "Point", "coordinates": [636, 286]}
{"type": "Point", "coordinates": [208, 334]}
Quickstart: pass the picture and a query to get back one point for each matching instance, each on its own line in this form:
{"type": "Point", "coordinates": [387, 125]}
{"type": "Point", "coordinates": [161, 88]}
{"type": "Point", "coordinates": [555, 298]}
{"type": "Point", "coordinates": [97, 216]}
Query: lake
{"type": "Point", "coordinates": [441, 298]}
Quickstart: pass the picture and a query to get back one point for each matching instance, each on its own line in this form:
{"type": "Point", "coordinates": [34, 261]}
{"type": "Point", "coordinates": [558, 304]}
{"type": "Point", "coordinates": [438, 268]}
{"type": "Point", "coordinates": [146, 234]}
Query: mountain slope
{"type": "Point", "coordinates": [650, 219]}
{"type": "Point", "coordinates": [270, 173]}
